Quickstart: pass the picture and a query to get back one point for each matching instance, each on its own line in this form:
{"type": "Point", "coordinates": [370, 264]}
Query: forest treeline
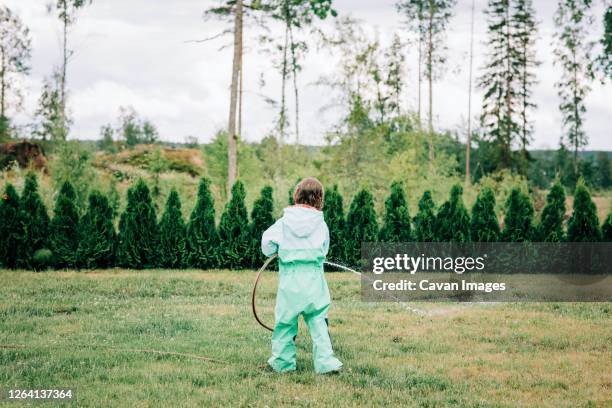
{"type": "Point", "coordinates": [31, 239]}
{"type": "Point", "coordinates": [368, 86]}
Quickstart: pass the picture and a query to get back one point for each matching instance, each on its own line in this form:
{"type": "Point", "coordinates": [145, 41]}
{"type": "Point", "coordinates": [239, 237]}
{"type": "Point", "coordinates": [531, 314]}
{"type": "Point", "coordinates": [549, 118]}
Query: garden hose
{"type": "Point", "coordinates": [346, 268]}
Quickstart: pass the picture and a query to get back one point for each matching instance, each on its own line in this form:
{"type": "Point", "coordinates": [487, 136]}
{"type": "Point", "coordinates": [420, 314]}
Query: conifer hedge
{"type": "Point", "coordinates": [64, 230]}
{"type": "Point", "coordinates": [202, 235]}
{"type": "Point", "coordinates": [550, 228]}
{"type": "Point", "coordinates": [425, 220]}
{"type": "Point", "coordinates": [28, 239]}
{"type": "Point", "coordinates": [333, 212]}
{"type": "Point", "coordinates": [97, 237]}
{"type": "Point", "coordinates": [583, 225]}
{"type": "Point", "coordinates": [138, 235]}
{"type": "Point", "coordinates": [484, 226]}
{"type": "Point", "coordinates": [396, 227]}
{"type": "Point", "coordinates": [10, 227]}
{"type": "Point", "coordinates": [452, 220]}
{"type": "Point", "coordinates": [33, 222]}
{"type": "Point", "coordinates": [519, 217]}
{"type": "Point", "coordinates": [172, 234]}
{"type": "Point", "coordinates": [234, 231]}
{"type": "Point", "coordinates": [361, 226]}
{"type": "Point", "coordinates": [262, 216]}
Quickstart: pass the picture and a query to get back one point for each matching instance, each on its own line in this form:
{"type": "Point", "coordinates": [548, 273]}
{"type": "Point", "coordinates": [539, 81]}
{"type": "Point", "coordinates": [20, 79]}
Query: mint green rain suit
{"type": "Point", "coordinates": [301, 239]}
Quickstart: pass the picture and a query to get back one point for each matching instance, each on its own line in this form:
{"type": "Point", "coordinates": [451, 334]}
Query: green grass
{"type": "Point", "coordinates": [530, 354]}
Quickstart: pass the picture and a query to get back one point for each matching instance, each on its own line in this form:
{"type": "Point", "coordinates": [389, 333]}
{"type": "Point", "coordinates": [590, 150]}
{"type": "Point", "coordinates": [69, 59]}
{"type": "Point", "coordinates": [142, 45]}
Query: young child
{"type": "Point", "coordinates": [301, 240]}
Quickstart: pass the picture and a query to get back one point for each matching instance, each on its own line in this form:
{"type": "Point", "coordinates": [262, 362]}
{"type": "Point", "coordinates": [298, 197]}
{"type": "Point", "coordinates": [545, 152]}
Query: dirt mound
{"type": "Point", "coordinates": [24, 153]}
{"type": "Point", "coordinates": [174, 159]}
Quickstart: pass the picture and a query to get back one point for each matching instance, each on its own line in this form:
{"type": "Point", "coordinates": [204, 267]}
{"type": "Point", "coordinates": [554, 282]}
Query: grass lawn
{"type": "Point", "coordinates": [531, 354]}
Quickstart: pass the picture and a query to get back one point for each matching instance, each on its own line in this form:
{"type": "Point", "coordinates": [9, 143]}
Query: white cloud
{"type": "Point", "coordinates": [134, 53]}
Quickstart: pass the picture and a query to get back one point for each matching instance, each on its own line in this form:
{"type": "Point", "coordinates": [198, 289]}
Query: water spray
{"type": "Point", "coordinates": [416, 311]}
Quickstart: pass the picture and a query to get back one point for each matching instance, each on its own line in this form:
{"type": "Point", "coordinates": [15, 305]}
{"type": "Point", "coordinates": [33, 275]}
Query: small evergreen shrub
{"type": "Point", "coordinates": [64, 230]}
{"type": "Point", "coordinates": [138, 235]}
{"type": "Point", "coordinates": [396, 226]}
{"type": "Point", "coordinates": [452, 220]}
{"type": "Point", "coordinates": [333, 212]}
{"type": "Point", "coordinates": [583, 225]}
{"type": "Point", "coordinates": [484, 225]}
{"type": "Point", "coordinates": [10, 227]}
{"type": "Point", "coordinates": [202, 236]}
{"type": "Point", "coordinates": [361, 226]}
{"type": "Point", "coordinates": [34, 222]}
{"type": "Point", "coordinates": [262, 217]}
{"type": "Point", "coordinates": [172, 234]}
{"type": "Point", "coordinates": [42, 259]}
{"type": "Point", "coordinates": [97, 236]}
{"type": "Point", "coordinates": [425, 220]}
{"type": "Point", "coordinates": [550, 228]}
{"type": "Point", "coordinates": [234, 231]}
{"type": "Point", "coordinates": [519, 218]}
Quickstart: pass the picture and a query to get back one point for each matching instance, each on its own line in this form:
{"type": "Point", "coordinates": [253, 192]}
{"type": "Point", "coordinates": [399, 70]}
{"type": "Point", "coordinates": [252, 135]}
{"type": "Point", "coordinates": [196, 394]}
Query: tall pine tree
{"type": "Point", "coordinates": [333, 211]}
{"type": "Point", "coordinates": [361, 226]}
{"type": "Point", "coordinates": [518, 222]}
{"type": "Point", "coordinates": [452, 220]}
{"type": "Point", "coordinates": [396, 227]}
{"type": "Point", "coordinates": [172, 233]}
{"type": "Point", "coordinates": [202, 235]}
{"type": "Point", "coordinates": [97, 236]}
{"type": "Point", "coordinates": [10, 227]}
{"type": "Point", "coordinates": [573, 54]}
{"type": "Point", "coordinates": [525, 30]}
{"type": "Point", "coordinates": [583, 225]}
{"type": "Point", "coordinates": [34, 222]}
{"type": "Point", "coordinates": [64, 231]}
{"type": "Point", "coordinates": [550, 228]}
{"type": "Point", "coordinates": [138, 230]}
{"type": "Point", "coordinates": [425, 220]}
{"type": "Point", "coordinates": [261, 218]}
{"type": "Point", "coordinates": [484, 225]}
{"type": "Point", "coordinates": [234, 231]}
{"type": "Point", "coordinates": [501, 101]}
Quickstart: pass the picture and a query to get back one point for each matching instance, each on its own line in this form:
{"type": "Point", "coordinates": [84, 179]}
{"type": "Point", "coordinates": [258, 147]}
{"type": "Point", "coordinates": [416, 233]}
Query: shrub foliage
{"type": "Point", "coordinates": [172, 234]}
{"type": "Point", "coordinates": [97, 237]}
{"type": "Point", "coordinates": [138, 235]}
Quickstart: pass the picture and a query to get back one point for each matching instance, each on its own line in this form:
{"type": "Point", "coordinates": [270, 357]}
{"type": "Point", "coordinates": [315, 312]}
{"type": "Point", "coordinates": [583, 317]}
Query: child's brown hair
{"type": "Point", "coordinates": [309, 192]}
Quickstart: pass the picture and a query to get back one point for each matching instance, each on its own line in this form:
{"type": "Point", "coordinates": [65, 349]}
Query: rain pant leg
{"type": "Point", "coordinates": [283, 344]}
{"type": "Point", "coordinates": [322, 352]}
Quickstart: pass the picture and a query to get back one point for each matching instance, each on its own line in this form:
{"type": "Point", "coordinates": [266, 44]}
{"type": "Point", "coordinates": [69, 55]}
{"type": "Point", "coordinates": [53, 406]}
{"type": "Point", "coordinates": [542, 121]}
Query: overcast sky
{"type": "Point", "coordinates": [137, 53]}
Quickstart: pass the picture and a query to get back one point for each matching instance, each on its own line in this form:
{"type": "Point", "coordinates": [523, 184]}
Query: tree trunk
{"type": "Point", "coordinates": [468, 144]}
{"type": "Point", "coordinates": [430, 46]}
{"type": "Point", "coordinates": [576, 111]}
{"type": "Point", "coordinates": [3, 85]}
{"type": "Point", "coordinates": [420, 64]}
{"type": "Point", "coordinates": [240, 91]}
{"type": "Point", "coordinates": [283, 110]}
{"type": "Point", "coordinates": [231, 132]}
{"type": "Point", "coordinates": [295, 88]}
{"type": "Point", "coordinates": [508, 129]}
{"type": "Point", "coordinates": [63, 73]}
